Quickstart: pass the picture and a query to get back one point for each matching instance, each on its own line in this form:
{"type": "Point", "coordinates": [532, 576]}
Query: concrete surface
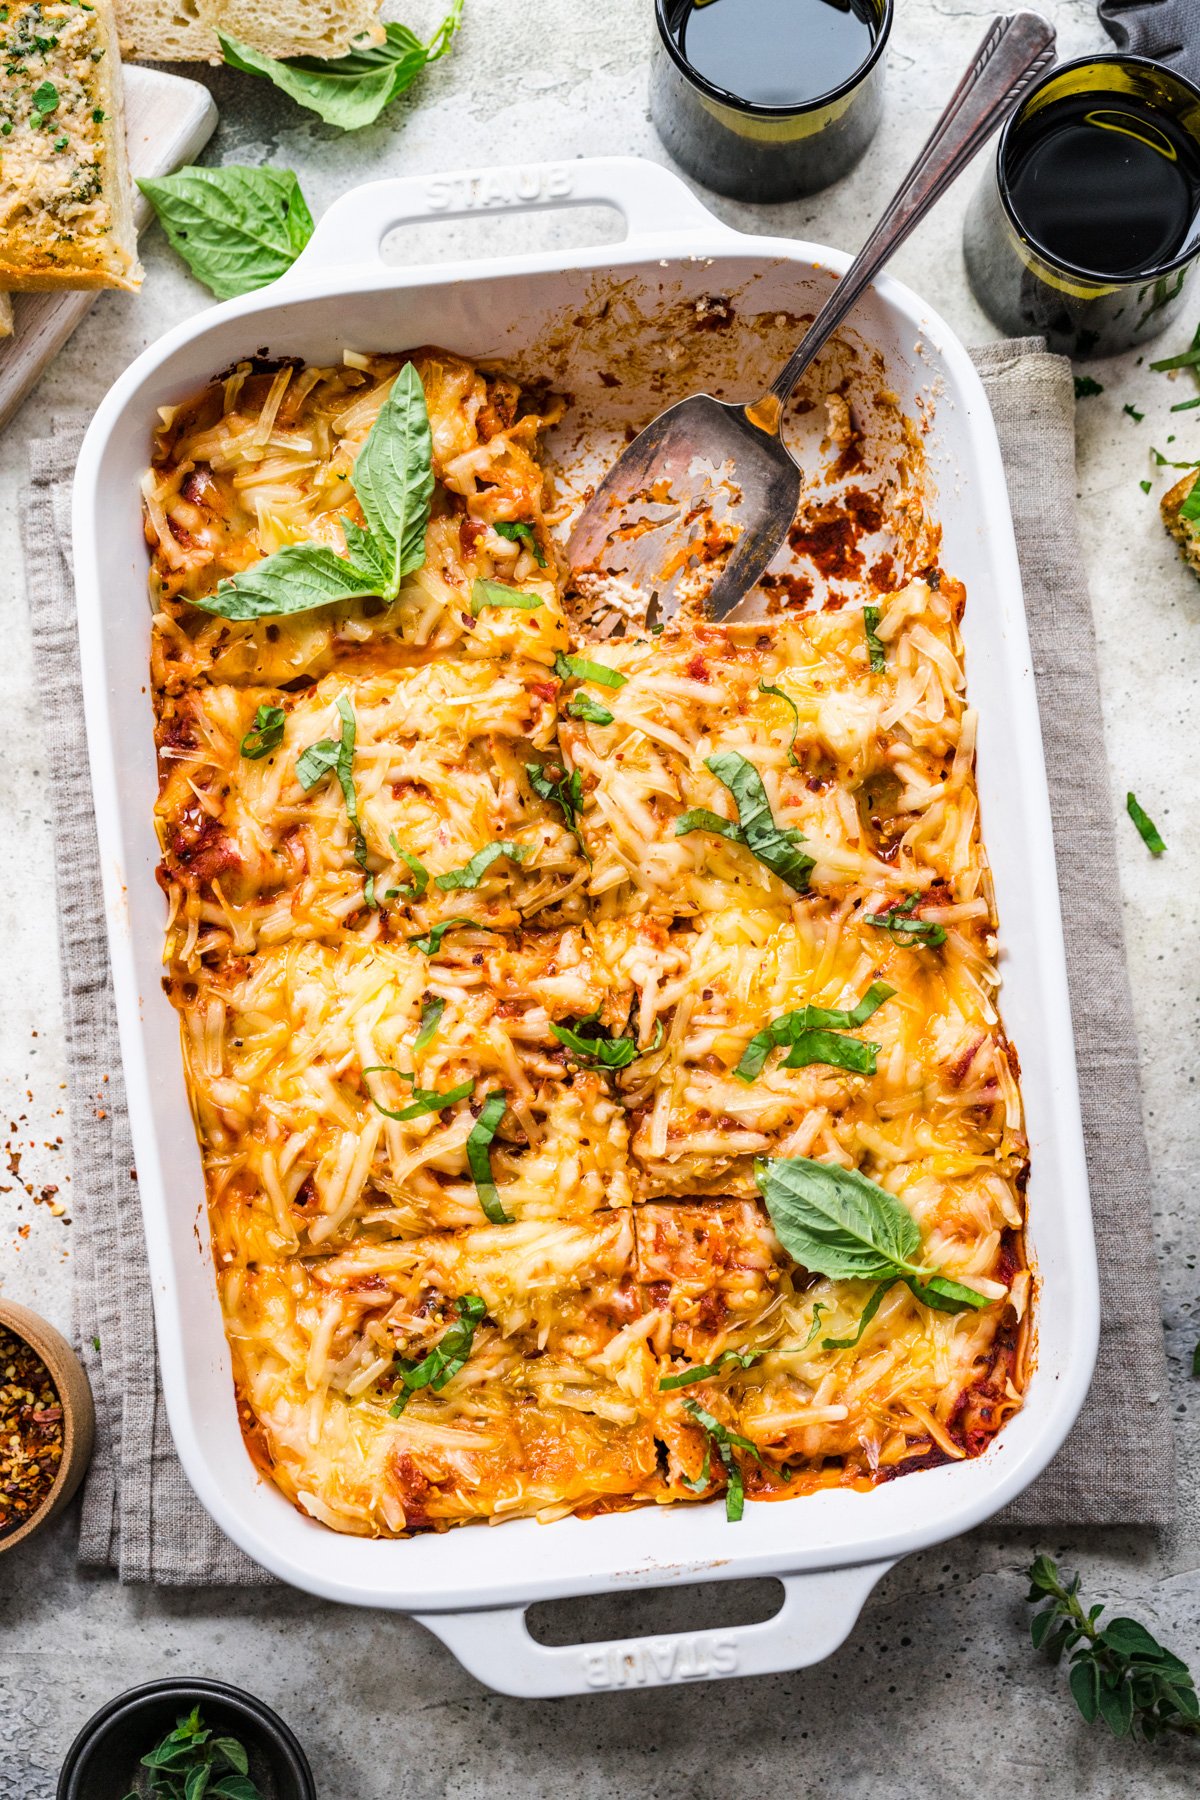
{"type": "Point", "coordinates": [938, 1690]}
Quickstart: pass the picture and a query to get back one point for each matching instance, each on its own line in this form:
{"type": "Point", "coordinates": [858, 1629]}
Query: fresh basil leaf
{"type": "Point", "coordinates": [795, 1027]}
{"type": "Point", "coordinates": [582, 706]}
{"type": "Point", "coordinates": [479, 1159]}
{"type": "Point", "coordinates": [45, 101]}
{"type": "Point", "coordinates": [565, 791]}
{"type": "Point", "coordinates": [431, 1014]}
{"type": "Point", "coordinates": [1145, 486]}
{"type": "Point", "coordinates": [836, 1222]}
{"type": "Point", "coordinates": [728, 1359]}
{"type": "Point", "coordinates": [325, 757]}
{"type": "Point", "coordinates": [196, 1781]}
{"type": "Point", "coordinates": [578, 668]}
{"type": "Point", "coordinates": [726, 1442]}
{"type": "Point", "coordinates": [430, 942]}
{"type": "Point", "coordinates": [472, 873]}
{"type": "Point", "coordinates": [445, 1360]}
{"type": "Point", "coordinates": [903, 929]}
{"type": "Point", "coordinates": [233, 1753]}
{"type": "Point", "coordinates": [875, 649]}
{"type": "Point", "coordinates": [1086, 386]}
{"type": "Point", "coordinates": [424, 1100]}
{"type": "Point", "coordinates": [1134, 414]}
{"type": "Point", "coordinates": [367, 554]}
{"type": "Point", "coordinates": [518, 532]}
{"type": "Point", "coordinates": [764, 687]}
{"type": "Point", "coordinates": [853, 1054]}
{"type": "Point", "coordinates": [1147, 829]}
{"type": "Point", "coordinates": [296, 579]}
{"type": "Point", "coordinates": [420, 874]}
{"type": "Point", "coordinates": [393, 477]}
{"type": "Point", "coordinates": [819, 1308]}
{"type": "Point", "coordinates": [699, 1484]}
{"type": "Point", "coordinates": [266, 733]}
{"type": "Point", "coordinates": [236, 228]}
{"type": "Point", "coordinates": [235, 1787]}
{"type": "Point", "coordinates": [865, 1317]}
{"type": "Point", "coordinates": [943, 1295]}
{"type": "Point", "coordinates": [1190, 510]}
{"type": "Point", "coordinates": [607, 1052]}
{"type": "Point", "coordinates": [775, 846]}
{"type": "Point", "coordinates": [494, 593]}
{"type": "Point", "coordinates": [1164, 462]}
{"type": "Point", "coordinates": [349, 91]}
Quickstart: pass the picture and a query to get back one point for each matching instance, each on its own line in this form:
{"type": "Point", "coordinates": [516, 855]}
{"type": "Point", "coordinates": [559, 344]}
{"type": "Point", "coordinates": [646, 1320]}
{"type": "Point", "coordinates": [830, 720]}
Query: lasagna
{"type": "Point", "coordinates": [593, 1046]}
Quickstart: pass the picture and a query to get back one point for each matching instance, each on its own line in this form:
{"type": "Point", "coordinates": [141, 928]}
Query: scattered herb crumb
{"type": "Point", "coordinates": [1147, 828]}
{"type": "Point", "coordinates": [1145, 486]}
{"type": "Point", "coordinates": [1134, 413]}
{"type": "Point", "coordinates": [1086, 386]}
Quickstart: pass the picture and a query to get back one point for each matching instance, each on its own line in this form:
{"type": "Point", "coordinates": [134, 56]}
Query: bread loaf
{"type": "Point", "coordinates": [186, 30]}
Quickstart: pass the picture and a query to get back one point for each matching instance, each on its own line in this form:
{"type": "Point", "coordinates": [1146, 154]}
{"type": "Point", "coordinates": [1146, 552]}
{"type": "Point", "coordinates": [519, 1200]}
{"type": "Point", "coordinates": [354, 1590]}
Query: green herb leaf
{"type": "Point", "coordinates": [1146, 826]}
{"type": "Point", "coordinates": [235, 1787]}
{"type": "Point", "coordinates": [1188, 359]}
{"type": "Point", "coordinates": [1164, 462]}
{"type": "Point", "coordinates": [233, 1753]}
{"type": "Point", "coordinates": [1086, 386]}
{"type": "Point", "coordinates": [1190, 510]}
{"type": "Point", "coordinates": [1186, 405]}
{"type": "Point", "coordinates": [45, 101]}
{"type": "Point", "coordinates": [800, 1028]}
{"type": "Point", "coordinates": [775, 846]}
{"type": "Point", "coordinates": [764, 687]}
{"type": "Point", "coordinates": [479, 1159]}
{"type": "Point", "coordinates": [582, 706]}
{"type": "Point", "coordinates": [518, 532]}
{"type": "Point", "coordinates": [325, 757]}
{"type": "Point", "coordinates": [431, 1014]}
{"type": "Point", "coordinates": [728, 1359]}
{"type": "Point", "coordinates": [902, 928]}
{"type": "Point", "coordinates": [830, 1047]}
{"type": "Point", "coordinates": [430, 942]}
{"type": "Point", "coordinates": [1134, 414]}
{"type": "Point", "coordinates": [1195, 1362]}
{"type": "Point", "coordinates": [236, 228]}
{"type": "Point", "coordinates": [296, 579]}
{"type": "Point", "coordinates": [565, 791]}
{"type": "Point", "coordinates": [445, 1360]}
{"type": "Point", "coordinates": [875, 646]}
{"type": "Point", "coordinates": [578, 668]}
{"type": "Point", "coordinates": [725, 1442]}
{"type": "Point", "coordinates": [424, 1100]}
{"type": "Point", "coordinates": [591, 1045]}
{"type": "Point", "coordinates": [1145, 486]}
{"type": "Point", "coordinates": [819, 1308]}
{"type": "Point", "coordinates": [349, 91]}
{"type": "Point", "coordinates": [494, 593]}
{"type": "Point", "coordinates": [865, 1317]}
{"type": "Point", "coordinates": [836, 1222]}
{"type": "Point", "coordinates": [472, 873]}
{"type": "Point", "coordinates": [266, 733]}
{"type": "Point", "coordinates": [414, 890]}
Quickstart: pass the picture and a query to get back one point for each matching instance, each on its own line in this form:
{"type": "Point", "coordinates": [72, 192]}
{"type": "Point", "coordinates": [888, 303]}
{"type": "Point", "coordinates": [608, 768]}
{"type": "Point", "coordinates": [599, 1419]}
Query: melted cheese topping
{"type": "Point", "coordinates": [346, 1237]}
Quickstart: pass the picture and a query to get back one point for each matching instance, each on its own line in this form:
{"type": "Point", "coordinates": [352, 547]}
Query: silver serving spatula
{"type": "Point", "coordinates": [701, 501]}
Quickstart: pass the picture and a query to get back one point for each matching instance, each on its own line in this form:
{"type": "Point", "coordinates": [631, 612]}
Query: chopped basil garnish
{"type": "Point", "coordinates": [819, 1307]}
{"type": "Point", "coordinates": [266, 733]}
{"type": "Point", "coordinates": [415, 889]}
{"type": "Point", "coordinates": [237, 228]}
{"type": "Point", "coordinates": [728, 1359]}
{"type": "Point", "coordinates": [865, 1317]}
{"type": "Point", "coordinates": [518, 532]}
{"type": "Point", "coordinates": [430, 942]}
{"type": "Point", "coordinates": [902, 928]}
{"type": "Point", "coordinates": [473, 872]}
{"type": "Point", "coordinates": [1190, 510]}
{"type": "Point", "coordinates": [337, 757]}
{"type": "Point", "coordinates": [1086, 386]}
{"type": "Point", "coordinates": [566, 791]}
{"type": "Point", "coordinates": [764, 687]}
{"type": "Point", "coordinates": [725, 1442]}
{"type": "Point", "coordinates": [1134, 414]}
{"type": "Point", "coordinates": [349, 91]}
{"type": "Point", "coordinates": [836, 1222]}
{"type": "Point", "coordinates": [445, 1359]}
{"type": "Point", "coordinates": [1145, 824]}
{"type": "Point", "coordinates": [479, 1158]}
{"type": "Point", "coordinates": [775, 846]}
{"type": "Point", "coordinates": [578, 668]}
{"type": "Point", "coordinates": [45, 102]}
{"type": "Point", "coordinates": [424, 1100]}
{"type": "Point", "coordinates": [875, 649]}
{"type": "Point", "coordinates": [494, 593]}
{"type": "Point", "coordinates": [810, 1030]}
{"type": "Point", "coordinates": [431, 1014]}
{"type": "Point", "coordinates": [582, 706]}
{"type": "Point", "coordinates": [1145, 486]}
{"type": "Point", "coordinates": [393, 479]}
{"type": "Point", "coordinates": [591, 1045]}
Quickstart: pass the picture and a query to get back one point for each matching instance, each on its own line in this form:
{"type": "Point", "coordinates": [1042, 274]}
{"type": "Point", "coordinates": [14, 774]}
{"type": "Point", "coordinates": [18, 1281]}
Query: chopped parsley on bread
{"type": "Point", "coordinates": [66, 210]}
{"type": "Point", "coordinates": [1180, 508]}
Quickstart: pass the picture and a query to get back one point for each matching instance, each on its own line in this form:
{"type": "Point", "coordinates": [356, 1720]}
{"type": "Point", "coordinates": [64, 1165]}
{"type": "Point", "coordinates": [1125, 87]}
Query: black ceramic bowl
{"type": "Point", "coordinates": [104, 1759]}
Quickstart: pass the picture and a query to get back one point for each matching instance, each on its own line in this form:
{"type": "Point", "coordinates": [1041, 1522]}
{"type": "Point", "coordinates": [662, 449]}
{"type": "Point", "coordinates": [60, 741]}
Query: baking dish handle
{"type": "Point", "coordinates": [653, 202]}
{"type": "Point", "coordinates": [819, 1612]}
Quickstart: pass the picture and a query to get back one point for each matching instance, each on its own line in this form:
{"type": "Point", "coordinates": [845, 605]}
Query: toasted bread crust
{"type": "Point", "coordinates": [159, 31]}
{"type": "Point", "coordinates": [1186, 532]}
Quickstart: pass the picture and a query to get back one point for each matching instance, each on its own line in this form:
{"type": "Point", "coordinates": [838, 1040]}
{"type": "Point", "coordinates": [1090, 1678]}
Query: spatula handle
{"type": "Point", "coordinates": [1016, 50]}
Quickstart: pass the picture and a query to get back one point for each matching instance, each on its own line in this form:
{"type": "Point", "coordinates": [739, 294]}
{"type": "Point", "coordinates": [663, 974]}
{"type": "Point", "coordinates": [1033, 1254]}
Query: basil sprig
{"type": "Point", "coordinates": [764, 687]}
{"type": "Point", "coordinates": [836, 1222]}
{"type": "Point", "coordinates": [393, 479]}
{"type": "Point", "coordinates": [446, 1358]}
{"type": "Point", "coordinates": [582, 706]}
{"type": "Point", "coordinates": [902, 928]}
{"type": "Point", "coordinates": [725, 1442]}
{"type": "Point", "coordinates": [875, 649]}
{"type": "Point", "coordinates": [578, 668]}
{"type": "Point", "coordinates": [774, 845]}
{"type": "Point", "coordinates": [479, 1156]}
{"type": "Point", "coordinates": [431, 1015]}
{"type": "Point", "coordinates": [336, 756]}
{"type": "Point", "coordinates": [494, 593]}
{"type": "Point", "coordinates": [349, 91]}
{"type": "Point", "coordinates": [473, 872]}
{"type": "Point", "coordinates": [266, 733]}
{"type": "Point", "coordinates": [236, 228]}
{"type": "Point", "coordinates": [518, 532]}
{"type": "Point", "coordinates": [811, 1032]}
{"type": "Point", "coordinates": [424, 1100]}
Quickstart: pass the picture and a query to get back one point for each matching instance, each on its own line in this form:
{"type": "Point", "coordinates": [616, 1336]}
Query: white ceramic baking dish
{"type": "Point", "coordinates": [472, 1586]}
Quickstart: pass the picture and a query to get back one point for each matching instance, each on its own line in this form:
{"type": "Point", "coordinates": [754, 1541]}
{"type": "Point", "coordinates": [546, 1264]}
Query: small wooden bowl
{"type": "Point", "coordinates": [79, 1414]}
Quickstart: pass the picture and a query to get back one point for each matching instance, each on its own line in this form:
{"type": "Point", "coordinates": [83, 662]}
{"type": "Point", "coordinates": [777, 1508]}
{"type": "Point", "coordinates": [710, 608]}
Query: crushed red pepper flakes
{"type": "Point", "coordinates": [31, 1431]}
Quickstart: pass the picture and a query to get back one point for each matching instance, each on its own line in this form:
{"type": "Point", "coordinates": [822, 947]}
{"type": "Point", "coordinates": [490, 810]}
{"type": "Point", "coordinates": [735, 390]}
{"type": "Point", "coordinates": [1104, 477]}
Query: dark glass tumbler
{"type": "Point", "coordinates": [759, 152]}
{"type": "Point", "coordinates": [1029, 292]}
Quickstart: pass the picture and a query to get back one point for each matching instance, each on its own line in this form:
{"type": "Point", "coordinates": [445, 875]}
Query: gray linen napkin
{"type": "Point", "coordinates": [140, 1516]}
{"type": "Point", "coordinates": [1167, 30]}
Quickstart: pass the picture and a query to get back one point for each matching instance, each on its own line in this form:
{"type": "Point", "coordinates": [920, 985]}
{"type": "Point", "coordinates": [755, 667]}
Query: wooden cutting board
{"type": "Point", "coordinates": [168, 121]}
